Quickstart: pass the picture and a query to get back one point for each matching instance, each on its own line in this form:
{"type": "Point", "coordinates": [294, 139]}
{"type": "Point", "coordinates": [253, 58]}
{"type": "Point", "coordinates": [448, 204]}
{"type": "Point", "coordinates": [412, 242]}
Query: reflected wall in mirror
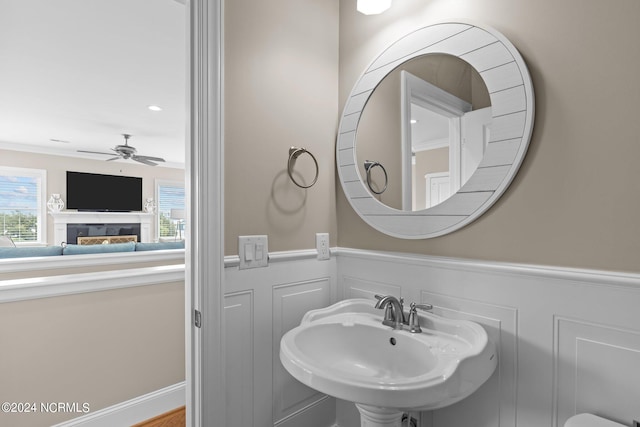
{"type": "Point", "coordinates": [427, 123]}
{"type": "Point", "coordinates": [479, 173]}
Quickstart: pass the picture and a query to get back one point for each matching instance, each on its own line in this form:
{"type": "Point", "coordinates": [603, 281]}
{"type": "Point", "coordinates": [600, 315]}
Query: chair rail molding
{"type": "Point", "coordinates": [52, 286]}
{"type": "Point", "coordinates": [13, 265]}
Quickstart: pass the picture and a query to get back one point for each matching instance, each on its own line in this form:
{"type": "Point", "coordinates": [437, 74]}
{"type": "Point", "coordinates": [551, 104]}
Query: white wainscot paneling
{"type": "Point", "coordinates": [358, 288]}
{"type": "Point", "coordinates": [495, 401]}
{"type": "Point", "coordinates": [239, 354]}
{"type": "Point", "coordinates": [261, 304]}
{"type": "Point", "coordinates": [290, 303]}
{"type": "Point", "coordinates": [568, 339]}
{"type": "Point", "coordinates": [597, 371]}
{"type": "Point", "coordinates": [559, 354]}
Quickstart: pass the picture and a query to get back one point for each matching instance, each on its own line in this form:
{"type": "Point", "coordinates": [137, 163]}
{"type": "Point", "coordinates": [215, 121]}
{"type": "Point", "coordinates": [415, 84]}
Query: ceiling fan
{"type": "Point", "coordinates": [127, 151]}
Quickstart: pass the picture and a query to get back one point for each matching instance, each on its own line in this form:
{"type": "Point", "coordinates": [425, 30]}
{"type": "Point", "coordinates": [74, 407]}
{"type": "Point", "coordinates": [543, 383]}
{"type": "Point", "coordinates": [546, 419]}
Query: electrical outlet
{"type": "Point", "coordinates": [322, 245]}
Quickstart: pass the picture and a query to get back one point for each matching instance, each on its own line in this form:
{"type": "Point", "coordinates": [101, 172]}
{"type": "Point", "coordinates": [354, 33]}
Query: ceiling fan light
{"type": "Point", "coordinates": [372, 7]}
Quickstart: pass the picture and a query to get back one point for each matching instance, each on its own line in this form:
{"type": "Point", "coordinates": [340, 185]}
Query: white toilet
{"type": "Point", "coordinates": [589, 420]}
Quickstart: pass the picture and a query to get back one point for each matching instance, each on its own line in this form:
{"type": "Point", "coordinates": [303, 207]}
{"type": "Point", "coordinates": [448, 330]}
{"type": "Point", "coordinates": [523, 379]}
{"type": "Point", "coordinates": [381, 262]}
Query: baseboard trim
{"type": "Point", "coordinates": [133, 411]}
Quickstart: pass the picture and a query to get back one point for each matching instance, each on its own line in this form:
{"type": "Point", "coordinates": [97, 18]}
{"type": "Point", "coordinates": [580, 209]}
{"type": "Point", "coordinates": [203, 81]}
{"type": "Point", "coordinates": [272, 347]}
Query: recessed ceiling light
{"type": "Point", "coordinates": [154, 108]}
{"type": "Point", "coordinates": [414, 121]}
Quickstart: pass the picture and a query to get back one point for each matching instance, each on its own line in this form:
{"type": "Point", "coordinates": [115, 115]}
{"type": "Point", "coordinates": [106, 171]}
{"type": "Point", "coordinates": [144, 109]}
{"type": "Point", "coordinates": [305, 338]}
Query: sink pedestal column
{"type": "Point", "coordinates": [372, 416]}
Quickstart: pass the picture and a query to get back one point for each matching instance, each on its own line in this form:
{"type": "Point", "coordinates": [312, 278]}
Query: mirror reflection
{"type": "Point", "coordinates": [426, 127]}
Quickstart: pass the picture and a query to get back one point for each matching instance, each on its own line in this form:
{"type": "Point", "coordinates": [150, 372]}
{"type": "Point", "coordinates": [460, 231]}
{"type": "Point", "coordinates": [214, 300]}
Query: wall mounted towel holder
{"type": "Point", "coordinates": [294, 153]}
{"type": "Point", "coordinates": [368, 165]}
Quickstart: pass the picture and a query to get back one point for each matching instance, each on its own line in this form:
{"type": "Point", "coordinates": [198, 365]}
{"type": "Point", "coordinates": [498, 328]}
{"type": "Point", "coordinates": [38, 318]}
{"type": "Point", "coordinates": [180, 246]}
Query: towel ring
{"type": "Point", "coordinates": [368, 165]}
{"type": "Point", "coordinates": [294, 153]}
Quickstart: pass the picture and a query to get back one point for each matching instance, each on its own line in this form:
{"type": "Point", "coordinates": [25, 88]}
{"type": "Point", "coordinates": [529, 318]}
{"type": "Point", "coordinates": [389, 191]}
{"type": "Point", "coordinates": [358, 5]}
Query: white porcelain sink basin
{"type": "Point", "coordinates": [345, 351]}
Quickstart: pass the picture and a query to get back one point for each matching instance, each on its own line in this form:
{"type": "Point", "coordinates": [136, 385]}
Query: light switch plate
{"type": "Point", "coordinates": [253, 251]}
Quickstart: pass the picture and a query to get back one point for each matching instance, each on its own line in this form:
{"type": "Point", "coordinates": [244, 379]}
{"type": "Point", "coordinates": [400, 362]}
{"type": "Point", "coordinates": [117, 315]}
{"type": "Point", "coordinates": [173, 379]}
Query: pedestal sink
{"type": "Point", "coordinates": [345, 351]}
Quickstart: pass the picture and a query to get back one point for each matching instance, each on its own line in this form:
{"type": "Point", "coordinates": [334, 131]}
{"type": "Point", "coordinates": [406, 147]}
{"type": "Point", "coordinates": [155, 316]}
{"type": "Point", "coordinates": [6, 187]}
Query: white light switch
{"type": "Point", "coordinates": [253, 251]}
{"type": "Point", "coordinates": [248, 251]}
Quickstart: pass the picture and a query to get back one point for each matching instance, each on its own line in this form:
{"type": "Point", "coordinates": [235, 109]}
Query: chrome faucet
{"type": "Point", "coordinates": [394, 312]}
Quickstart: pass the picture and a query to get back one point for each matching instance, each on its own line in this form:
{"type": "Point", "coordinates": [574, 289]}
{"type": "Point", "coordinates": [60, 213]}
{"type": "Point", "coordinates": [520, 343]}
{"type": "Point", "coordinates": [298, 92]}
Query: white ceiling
{"type": "Point", "coordinates": [85, 71]}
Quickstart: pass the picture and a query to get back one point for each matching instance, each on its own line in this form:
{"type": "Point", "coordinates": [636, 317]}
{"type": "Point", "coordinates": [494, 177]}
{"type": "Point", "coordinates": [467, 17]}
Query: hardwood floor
{"type": "Point", "coordinates": [175, 418]}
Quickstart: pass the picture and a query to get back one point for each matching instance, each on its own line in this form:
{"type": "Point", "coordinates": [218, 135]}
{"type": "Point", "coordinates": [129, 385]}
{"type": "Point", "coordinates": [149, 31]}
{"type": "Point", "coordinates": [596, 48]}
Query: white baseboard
{"type": "Point", "coordinates": [133, 411]}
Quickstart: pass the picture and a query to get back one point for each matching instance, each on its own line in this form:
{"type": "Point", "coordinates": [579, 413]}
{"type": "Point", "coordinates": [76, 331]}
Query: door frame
{"type": "Point", "coordinates": [204, 264]}
{"type": "Point", "coordinates": [415, 90]}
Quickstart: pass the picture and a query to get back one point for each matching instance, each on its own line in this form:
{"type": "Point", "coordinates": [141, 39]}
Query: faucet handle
{"type": "Point", "coordinates": [414, 323]}
{"type": "Point", "coordinates": [425, 307]}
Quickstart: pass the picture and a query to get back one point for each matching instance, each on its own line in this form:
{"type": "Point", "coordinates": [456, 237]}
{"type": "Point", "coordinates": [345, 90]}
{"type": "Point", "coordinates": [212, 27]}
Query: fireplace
{"type": "Point", "coordinates": [68, 225]}
{"type": "Point", "coordinates": [91, 230]}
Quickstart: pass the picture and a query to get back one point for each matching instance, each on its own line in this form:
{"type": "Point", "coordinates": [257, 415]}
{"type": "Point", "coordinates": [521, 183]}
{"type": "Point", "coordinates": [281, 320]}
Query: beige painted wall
{"type": "Point", "coordinates": [280, 90]}
{"type": "Point", "coordinates": [101, 348]}
{"type": "Point", "coordinates": [57, 166]}
{"type": "Point", "coordinates": [380, 125]}
{"type": "Point", "coordinates": [575, 201]}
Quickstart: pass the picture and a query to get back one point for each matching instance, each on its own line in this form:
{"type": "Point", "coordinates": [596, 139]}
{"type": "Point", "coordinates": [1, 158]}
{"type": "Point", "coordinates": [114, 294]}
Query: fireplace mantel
{"type": "Point", "coordinates": [61, 219]}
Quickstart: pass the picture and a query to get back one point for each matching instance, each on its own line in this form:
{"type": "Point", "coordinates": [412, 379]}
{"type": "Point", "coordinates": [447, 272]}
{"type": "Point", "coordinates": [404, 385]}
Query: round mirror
{"type": "Point", "coordinates": [427, 126]}
{"type": "Point", "coordinates": [469, 95]}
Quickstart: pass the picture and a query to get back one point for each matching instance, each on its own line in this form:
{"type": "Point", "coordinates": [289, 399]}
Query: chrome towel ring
{"type": "Point", "coordinates": [368, 165]}
{"type": "Point", "coordinates": [294, 153]}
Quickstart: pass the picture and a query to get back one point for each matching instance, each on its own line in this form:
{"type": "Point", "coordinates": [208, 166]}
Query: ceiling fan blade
{"type": "Point", "coordinates": [126, 152]}
{"type": "Point", "coordinates": [143, 160]}
{"type": "Point", "coordinates": [154, 159]}
{"type": "Point", "coordinates": [95, 152]}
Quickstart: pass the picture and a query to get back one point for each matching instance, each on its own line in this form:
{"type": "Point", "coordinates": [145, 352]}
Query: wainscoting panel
{"type": "Point", "coordinates": [261, 305]}
{"type": "Point", "coordinates": [239, 352]}
{"type": "Point", "coordinates": [496, 399]}
{"type": "Point", "coordinates": [357, 288]}
{"type": "Point", "coordinates": [568, 339]}
{"type": "Point", "coordinates": [290, 303]}
{"type": "Point", "coordinates": [596, 367]}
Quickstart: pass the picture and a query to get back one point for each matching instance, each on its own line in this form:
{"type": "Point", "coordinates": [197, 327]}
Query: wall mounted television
{"type": "Point", "coordinates": [103, 193]}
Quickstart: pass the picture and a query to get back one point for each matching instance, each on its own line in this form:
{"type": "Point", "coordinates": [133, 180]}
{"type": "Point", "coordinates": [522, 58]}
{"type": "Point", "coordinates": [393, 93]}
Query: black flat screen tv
{"type": "Point", "coordinates": [103, 193]}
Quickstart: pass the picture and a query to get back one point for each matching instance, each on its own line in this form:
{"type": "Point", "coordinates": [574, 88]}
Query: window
{"type": "Point", "coordinates": [170, 203]}
{"type": "Point", "coordinates": [22, 204]}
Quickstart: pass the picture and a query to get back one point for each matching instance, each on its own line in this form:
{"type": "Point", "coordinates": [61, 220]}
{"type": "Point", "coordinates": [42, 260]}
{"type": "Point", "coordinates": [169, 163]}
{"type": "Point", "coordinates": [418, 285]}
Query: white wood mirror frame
{"type": "Point", "coordinates": [511, 91]}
